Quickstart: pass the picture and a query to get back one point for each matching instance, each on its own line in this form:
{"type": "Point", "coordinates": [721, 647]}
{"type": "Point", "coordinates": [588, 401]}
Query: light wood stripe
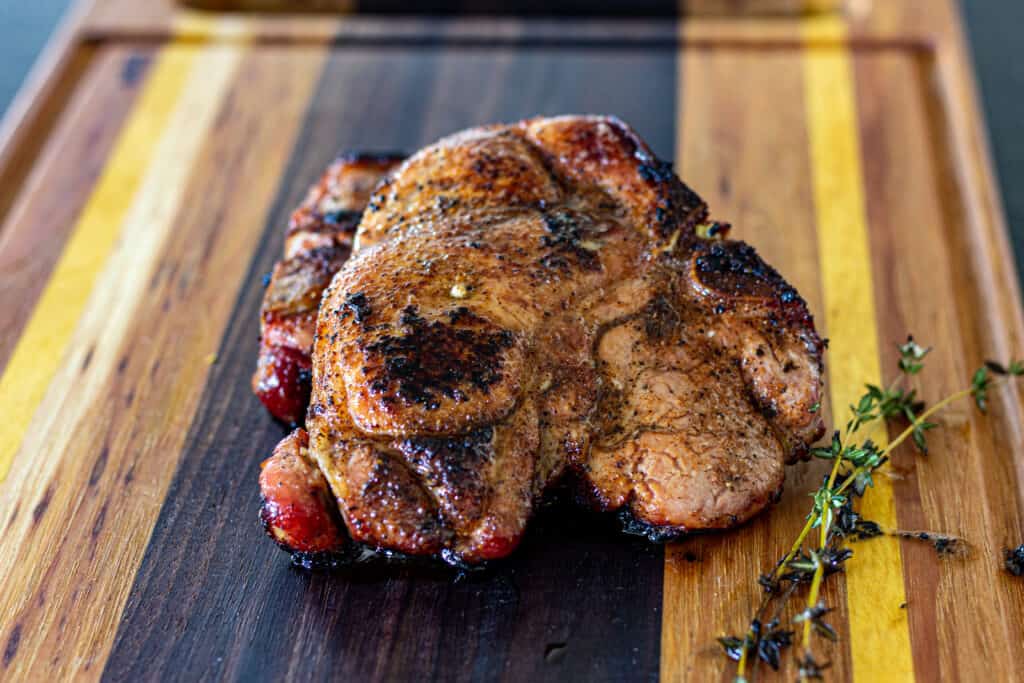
{"type": "Point", "coordinates": [774, 212]}
{"type": "Point", "coordinates": [40, 351]}
{"type": "Point", "coordinates": [879, 636]}
{"type": "Point", "coordinates": [70, 346]}
{"type": "Point", "coordinates": [36, 229]}
{"type": "Point", "coordinates": [113, 477]}
{"type": "Point", "coordinates": [929, 298]}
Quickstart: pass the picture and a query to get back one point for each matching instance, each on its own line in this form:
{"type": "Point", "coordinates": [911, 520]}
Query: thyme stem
{"type": "Point", "coordinates": [837, 520]}
{"type": "Point", "coordinates": [797, 545]}
{"type": "Point", "coordinates": [906, 433]}
{"type": "Point", "coordinates": [964, 393]}
{"type": "Point", "coordinates": [819, 568]}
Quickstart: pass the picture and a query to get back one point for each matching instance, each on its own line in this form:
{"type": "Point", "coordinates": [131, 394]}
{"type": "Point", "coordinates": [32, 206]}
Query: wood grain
{"type": "Point", "coordinates": [72, 338]}
{"type": "Point", "coordinates": [775, 212]}
{"type": "Point", "coordinates": [39, 103]}
{"type": "Point", "coordinates": [523, 620]}
{"type": "Point", "coordinates": [164, 20]}
{"type": "Point", "coordinates": [849, 152]}
{"type": "Point", "coordinates": [878, 633]}
{"type": "Point", "coordinates": [32, 236]}
{"type": "Point", "coordinates": [916, 220]}
{"type": "Point", "coordinates": [39, 354]}
{"type": "Point", "coordinates": [120, 470]}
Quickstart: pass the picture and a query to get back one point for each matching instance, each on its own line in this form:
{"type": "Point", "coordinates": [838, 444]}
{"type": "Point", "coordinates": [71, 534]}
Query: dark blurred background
{"type": "Point", "coordinates": [993, 27]}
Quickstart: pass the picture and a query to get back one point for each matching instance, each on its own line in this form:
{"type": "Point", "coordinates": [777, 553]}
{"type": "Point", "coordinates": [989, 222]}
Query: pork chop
{"type": "Point", "coordinates": [533, 301]}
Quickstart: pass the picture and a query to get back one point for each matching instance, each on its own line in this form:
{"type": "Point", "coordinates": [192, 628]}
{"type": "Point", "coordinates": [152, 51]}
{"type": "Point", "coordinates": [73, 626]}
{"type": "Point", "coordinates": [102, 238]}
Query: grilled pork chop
{"type": "Point", "coordinates": [532, 301]}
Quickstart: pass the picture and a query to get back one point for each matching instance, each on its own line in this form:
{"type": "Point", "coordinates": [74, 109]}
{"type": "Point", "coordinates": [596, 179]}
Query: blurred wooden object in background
{"type": "Point", "coordinates": [725, 7]}
{"type": "Point", "coordinates": [532, 7]}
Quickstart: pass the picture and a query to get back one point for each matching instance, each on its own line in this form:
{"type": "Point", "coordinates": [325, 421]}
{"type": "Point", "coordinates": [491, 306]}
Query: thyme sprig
{"type": "Point", "coordinates": [820, 549]}
{"type": "Point", "coordinates": [1013, 560]}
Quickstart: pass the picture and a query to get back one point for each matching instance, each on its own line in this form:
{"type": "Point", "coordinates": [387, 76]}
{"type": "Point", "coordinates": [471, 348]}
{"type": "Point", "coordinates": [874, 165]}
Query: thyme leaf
{"type": "Point", "coordinates": [1014, 560]}
{"type": "Point", "coordinates": [820, 550]}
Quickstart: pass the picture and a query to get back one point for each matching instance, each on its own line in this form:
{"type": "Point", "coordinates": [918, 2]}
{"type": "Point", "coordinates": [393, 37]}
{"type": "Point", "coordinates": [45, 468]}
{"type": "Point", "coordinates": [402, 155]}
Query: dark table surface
{"type": "Point", "coordinates": [993, 28]}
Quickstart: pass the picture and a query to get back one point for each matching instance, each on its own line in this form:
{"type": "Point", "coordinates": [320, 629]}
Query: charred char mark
{"type": "Point", "coordinates": [565, 241]}
{"type": "Point", "coordinates": [687, 202]}
{"type": "Point", "coordinates": [679, 207]}
{"type": "Point", "coordinates": [661, 319]}
{"type": "Point", "coordinates": [410, 317]}
{"type": "Point", "coordinates": [459, 314]}
{"type": "Point", "coordinates": [320, 561]}
{"type": "Point", "coordinates": [431, 360]}
{"type": "Point", "coordinates": [654, 533]}
{"type": "Point", "coordinates": [734, 270]}
{"type": "Point", "coordinates": [656, 170]}
{"type": "Point", "coordinates": [444, 202]}
{"type": "Point", "coordinates": [360, 561]}
{"type": "Point", "coordinates": [359, 304]}
{"type": "Point", "coordinates": [345, 220]}
{"type": "Point", "coordinates": [326, 259]}
{"type": "Point", "coordinates": [490, 168]}
{"type": "Point", "coordinates": [330, 223]}
{"type": "Point", "coordinates": [455, 464]}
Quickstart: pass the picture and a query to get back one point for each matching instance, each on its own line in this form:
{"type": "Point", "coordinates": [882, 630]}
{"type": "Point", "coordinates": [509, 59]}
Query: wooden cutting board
{"type": "Point", "coordinates": [145, 187]}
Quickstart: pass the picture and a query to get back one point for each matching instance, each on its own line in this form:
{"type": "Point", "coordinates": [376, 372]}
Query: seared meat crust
{"type": "Point", "coordinates": [542, 298]}
{"type": "Point", "coordinates": [317, 242]}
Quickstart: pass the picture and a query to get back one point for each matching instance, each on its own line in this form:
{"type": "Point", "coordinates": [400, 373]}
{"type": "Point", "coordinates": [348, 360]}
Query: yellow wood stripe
{"type": "Point", "coordinates": [879, 636]}
{"type": "Point", "coordinates": [101, 273]}
{"type": "Point", "coordinates": [87, 306]}
{"type": "Point", "coordinates": [114, 475]}
{"type": "Point", "coordinates": [191, 25]}
{"type": "Point", "coordinates": [40, 350]}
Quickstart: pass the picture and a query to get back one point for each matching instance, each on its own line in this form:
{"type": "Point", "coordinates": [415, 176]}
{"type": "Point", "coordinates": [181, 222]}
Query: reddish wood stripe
{"type": "Point", "coordinates": [918, 219]}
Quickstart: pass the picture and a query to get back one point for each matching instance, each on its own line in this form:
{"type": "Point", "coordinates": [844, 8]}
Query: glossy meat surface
{"type": "Point", "coordinates": [547, 299]}
{"type": "Point", "coordinates": [317, 242]}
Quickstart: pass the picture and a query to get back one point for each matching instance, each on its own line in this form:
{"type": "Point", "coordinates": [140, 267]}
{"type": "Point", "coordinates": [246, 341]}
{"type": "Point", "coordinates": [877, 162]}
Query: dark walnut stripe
{"type": "Point", "coordinates": [215, 599]}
